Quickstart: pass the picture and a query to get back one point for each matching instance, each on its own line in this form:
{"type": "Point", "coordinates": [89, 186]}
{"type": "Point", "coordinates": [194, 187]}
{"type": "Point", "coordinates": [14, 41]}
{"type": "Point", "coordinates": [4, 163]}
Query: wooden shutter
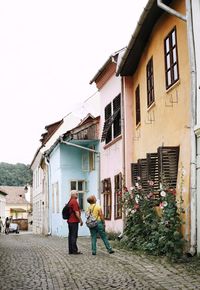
{"type": "Point", "coordinates": [107, 129]}
{"type": "Point", "coordinates": [143, 172]}
{"type": "Point", "coordinates": [134, 172]}
{"type": "Point", "coordinates": [153, 169]}
{"type": "Point", "coordinates": [168, 165]}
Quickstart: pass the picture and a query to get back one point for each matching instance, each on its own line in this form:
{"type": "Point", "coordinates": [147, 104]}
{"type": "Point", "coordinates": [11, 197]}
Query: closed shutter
{"type": "Point", "coordinates": [134, 172]}
{"type": "Point", "coordinates": [168, 165]}
{"type": "Point", "coordinates": [153, 169]}
{"type": "Point", "coordinates": [143, 173]}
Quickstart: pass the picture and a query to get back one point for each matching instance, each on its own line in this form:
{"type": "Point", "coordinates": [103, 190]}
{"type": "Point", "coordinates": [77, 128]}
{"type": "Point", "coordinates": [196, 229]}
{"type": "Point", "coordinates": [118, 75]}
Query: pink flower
{"type": "Point", "coordinates": [136, 206]}
{"type": "Point", "coordinates": [161, 205]}
{"type": "Point", "coordinates": [151, 183]}
{"type": "Point", "coordinates": [150, 195]}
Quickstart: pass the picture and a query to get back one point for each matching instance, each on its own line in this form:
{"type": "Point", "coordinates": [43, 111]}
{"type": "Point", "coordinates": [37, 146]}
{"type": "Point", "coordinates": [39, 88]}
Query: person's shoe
{"type": "Point", "coordinates": [111, 252]}
{"type": "Point", "coordinates": [94, 254]}
{"type": "Point", "coordinates": [75, 253]}
{"type": "Point", "coordinates": [78, 253]}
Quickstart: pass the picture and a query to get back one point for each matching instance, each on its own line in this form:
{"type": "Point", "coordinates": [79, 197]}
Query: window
{"type": "Point", "coordinates": [107, 194]}
{"type": "Point", "coordinates": [150, 83]}
{"type": "Point", "coordinates": [57, 197]}
{"type": "Point", "coordinates": [85, 161]}
{"type": "Point", "coordinates": [171, 59]}
{"type": "Point", "coordinates": [118, 196]}
{"type": "Point", "coordinates": [53, 198]}
{"type": "Point", "coordinates": [137, 105]}
{"type": "Point", "coordinates": [81, 187]}
{"type": "Point", "coordinates": [117, 118]}
{"type": "Point", "coordinates": [92, 158]}
{"type": "Point", "coordinates": [112, 124]}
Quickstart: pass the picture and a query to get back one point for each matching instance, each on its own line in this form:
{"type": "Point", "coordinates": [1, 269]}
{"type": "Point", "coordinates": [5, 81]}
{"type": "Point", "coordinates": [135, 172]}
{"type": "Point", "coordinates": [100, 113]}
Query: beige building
{"type": "Point", "coordinates": [156, 79]}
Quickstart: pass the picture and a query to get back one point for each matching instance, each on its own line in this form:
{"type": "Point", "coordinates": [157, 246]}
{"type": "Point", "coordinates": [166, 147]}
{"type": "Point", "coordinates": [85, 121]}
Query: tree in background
{"type": "Point", "coordinates": [15, 174]}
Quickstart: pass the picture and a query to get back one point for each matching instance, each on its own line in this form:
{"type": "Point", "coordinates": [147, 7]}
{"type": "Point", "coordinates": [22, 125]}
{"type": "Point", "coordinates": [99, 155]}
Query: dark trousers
{"type": "Point", "coordinates": [72, 237]}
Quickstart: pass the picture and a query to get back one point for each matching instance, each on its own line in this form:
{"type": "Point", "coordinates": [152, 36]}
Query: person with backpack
{"type": "Point", "coordinates": [73, 223]}
{"type": "Point", "coordinates": [97, 213]}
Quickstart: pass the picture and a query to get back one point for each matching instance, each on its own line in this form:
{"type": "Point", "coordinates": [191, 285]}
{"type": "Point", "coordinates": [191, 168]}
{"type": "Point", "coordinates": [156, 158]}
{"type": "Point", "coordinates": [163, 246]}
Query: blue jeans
{"type": "Point", "coordinates": [101, 230]}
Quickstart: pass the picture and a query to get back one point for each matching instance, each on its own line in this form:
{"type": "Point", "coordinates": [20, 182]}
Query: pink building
{"type": "Point", "coordinates": [111, 145]}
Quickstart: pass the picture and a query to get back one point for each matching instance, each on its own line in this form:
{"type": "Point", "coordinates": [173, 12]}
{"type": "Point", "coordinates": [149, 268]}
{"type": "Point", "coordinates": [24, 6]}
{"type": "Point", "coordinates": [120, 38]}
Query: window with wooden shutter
{"type": "Point", "coordinates": [137, 105]}
{"type": "Point", "coordinates": [107, 128]}
{"type": "Point", "coordinates": [107, 194]}
{"type": "Point", "coordinates": [118, 196]}
{"type": "Point", "coordinates": [168, 165]}
{"type": "Point", "coordinates": [112, 124]}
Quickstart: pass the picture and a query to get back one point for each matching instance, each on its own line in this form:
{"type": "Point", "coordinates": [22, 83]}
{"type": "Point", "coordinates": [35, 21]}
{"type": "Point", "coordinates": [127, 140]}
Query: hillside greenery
{"type": "Point", "coordinates": [15, 174]}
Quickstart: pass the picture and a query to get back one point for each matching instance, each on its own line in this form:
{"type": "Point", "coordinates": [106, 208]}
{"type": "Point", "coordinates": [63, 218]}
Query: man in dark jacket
{"type": "Point", "coordinates": [73, 221]}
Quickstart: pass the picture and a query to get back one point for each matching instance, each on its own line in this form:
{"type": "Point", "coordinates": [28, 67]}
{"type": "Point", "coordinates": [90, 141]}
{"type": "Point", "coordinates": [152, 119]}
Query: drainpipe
{"type": "Point", "coordinates": [47, 228]}
{"type": "Point", "coordinates": [193, 202]}
{"type": "Point", "coordinates": [123, 141]}
{"type": "Point", "coordinates": [91, 150]}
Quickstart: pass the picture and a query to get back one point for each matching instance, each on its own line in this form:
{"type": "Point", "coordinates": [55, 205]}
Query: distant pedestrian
{"type": "Point", "coordinates": [1, 224]}
{"type": "Point", "coordinates": [100, 228]}
{"type": "Point", "coordinates": [73, 223]}
{"type": "Point", "coordinates": [7, 225]}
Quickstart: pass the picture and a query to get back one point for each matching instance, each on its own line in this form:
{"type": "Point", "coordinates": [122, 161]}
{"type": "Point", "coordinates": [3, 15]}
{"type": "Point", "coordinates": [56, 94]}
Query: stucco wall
{"type": "Point", "coordinates": [167, 122]}
{"type": "Point", "coordinates": [66, 165]}
{"type": "Point", "coordinates": [111, 156]}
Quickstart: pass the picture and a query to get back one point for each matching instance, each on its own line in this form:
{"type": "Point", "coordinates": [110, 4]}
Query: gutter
{"type": "Point", "coordinates": [170, 10]}
{"type": "Point", "coordinates": [193, 193]}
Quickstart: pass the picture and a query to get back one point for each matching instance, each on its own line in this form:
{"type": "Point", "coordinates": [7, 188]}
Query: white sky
{"type": "Point", "coordinates": [49, 51]}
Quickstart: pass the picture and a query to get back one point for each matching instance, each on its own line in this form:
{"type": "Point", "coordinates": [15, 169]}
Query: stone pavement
{"type": "Point", "coordinates": [30, 261]}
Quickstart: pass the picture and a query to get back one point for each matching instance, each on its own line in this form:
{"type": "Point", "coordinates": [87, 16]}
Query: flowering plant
{"type": "Point", "coordinates": [148, 229]}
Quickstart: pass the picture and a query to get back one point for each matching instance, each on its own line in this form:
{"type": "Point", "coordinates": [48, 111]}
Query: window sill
{"type": "Point", "coordinates": [151, 106]}
{"type": "Point", "coordinates": [173, 86]}
{"type": "Point", "coordinates": [138, 125]}
{"type": "Point", "coordinates": [112, 142]}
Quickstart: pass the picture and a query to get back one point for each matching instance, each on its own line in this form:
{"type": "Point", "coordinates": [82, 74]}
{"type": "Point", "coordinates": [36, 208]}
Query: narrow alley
{"type": "Point", "coordinates": [36, 262]}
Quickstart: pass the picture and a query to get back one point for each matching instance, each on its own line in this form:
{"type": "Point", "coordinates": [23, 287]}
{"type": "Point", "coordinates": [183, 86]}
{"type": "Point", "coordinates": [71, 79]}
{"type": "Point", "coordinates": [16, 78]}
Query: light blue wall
{"type": "Point", "coordinates": [66, 165]}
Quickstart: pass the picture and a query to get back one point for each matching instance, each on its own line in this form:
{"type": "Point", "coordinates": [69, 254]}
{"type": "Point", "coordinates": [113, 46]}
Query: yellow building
{"type": "Point", "coordinates": [156, 89]}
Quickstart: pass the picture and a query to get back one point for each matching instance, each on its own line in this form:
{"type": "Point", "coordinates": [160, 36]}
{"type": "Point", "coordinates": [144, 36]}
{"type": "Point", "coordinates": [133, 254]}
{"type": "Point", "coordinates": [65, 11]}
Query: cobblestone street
{"type": "Point", "coordinates": [35, 262]}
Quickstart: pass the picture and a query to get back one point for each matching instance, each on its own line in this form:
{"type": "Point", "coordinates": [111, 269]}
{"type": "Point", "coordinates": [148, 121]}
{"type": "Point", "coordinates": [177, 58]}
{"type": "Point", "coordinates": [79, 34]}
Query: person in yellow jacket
{"type": "Point", "coordinates": [100, 228]}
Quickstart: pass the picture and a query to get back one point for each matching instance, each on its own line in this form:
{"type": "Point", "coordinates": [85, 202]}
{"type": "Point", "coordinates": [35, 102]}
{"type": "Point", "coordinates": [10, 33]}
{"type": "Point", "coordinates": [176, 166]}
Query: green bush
{"type": "Point", "coordinates": [145, 229]}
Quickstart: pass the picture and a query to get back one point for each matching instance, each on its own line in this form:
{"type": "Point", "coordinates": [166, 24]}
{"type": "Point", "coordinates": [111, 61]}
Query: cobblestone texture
{"type": "Point", "coordinates": [30, 261]}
